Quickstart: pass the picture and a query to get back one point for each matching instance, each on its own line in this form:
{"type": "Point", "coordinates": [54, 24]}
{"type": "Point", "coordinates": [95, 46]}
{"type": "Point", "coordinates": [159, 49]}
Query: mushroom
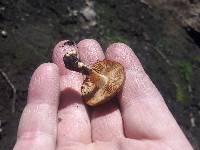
{"type": "Point", "coordinates": [104, 79]}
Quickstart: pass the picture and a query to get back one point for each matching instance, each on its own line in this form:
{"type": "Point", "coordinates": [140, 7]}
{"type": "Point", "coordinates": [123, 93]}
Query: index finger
{"type": "Point", "coordinates": [38, 124]}
{"type": "Point", "coordinates": [144, 111]}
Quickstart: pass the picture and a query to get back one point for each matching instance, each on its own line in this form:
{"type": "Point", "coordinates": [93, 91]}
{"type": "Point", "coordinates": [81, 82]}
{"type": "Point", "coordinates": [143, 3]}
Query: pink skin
{"type": "Point", "coordinates": [141, 120]}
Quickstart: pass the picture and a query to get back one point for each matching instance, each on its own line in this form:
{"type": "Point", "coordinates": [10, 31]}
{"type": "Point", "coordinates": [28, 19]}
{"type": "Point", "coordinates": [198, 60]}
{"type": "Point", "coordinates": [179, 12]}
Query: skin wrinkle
{"type": "Point", "coordinates": [40, 141]}
{"type": "Point", "coordinates": [119, 144]}
{"type": "Point", "coordinates": [45, 112]}
{"type": "Point", "coordinates": [32, 135]}
{"type": "Point", "coordinates": [129, 144]}
{"type": "Point", "coordinates": [73, 145]}
{"type": "Point", "coordinates": [99, 145]}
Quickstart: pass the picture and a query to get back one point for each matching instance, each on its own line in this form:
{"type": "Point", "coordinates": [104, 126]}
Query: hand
{"type": "Point", "coordinates": [56, 118]}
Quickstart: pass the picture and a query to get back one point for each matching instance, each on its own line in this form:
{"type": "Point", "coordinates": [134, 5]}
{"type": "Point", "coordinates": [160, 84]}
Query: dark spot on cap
{"type": "Point", "coordinates": [70, 43]}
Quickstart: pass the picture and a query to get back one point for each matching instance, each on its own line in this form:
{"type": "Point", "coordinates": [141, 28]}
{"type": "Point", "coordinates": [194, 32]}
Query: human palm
{"type": "Point", "coordinates": [55, 117]}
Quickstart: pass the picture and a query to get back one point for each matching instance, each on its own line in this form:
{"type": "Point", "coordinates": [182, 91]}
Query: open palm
{"type": "Point", "coordinates": [55, 117]}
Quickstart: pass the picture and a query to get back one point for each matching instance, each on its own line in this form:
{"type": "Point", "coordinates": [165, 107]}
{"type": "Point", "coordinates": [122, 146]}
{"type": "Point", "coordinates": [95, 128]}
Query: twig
{"type": "Point", "coordinates": [163, 56]}
{"type": "Point", "coordinates": [14, 96]}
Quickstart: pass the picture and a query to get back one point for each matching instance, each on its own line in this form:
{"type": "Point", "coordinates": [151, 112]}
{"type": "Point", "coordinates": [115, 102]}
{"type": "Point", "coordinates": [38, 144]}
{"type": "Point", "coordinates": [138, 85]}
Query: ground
{"type": "Point", "coordinates": [167, 46]}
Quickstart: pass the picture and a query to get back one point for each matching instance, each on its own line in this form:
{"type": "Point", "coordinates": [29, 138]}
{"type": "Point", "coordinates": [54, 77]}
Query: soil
{"type": "Point", "coordinates": [168, 50]}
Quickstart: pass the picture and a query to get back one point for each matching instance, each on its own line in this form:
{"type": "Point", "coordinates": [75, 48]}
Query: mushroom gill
{"type": "Point", "coordinates": [103, 80]}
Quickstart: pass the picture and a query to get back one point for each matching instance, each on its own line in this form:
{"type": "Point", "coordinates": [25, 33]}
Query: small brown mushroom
{"type": "Point", "coordinates": [103, 80]}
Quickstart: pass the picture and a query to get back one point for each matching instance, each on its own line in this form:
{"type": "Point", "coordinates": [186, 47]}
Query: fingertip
{"type": "Point", "coordinates": [44, 84]}
{"type": "Point", "coordinates": [45, 70]}
{"type": "Point", "coordinates": [48, 67]}
{"type": "Point", "coordinates": [123, 54]}
{"type": "Point", "coordinates": [90, 51]}
{"type": "Point", "coordinates": [118, 47]}
{"type": "Point", "coordinates": [87, 41]}
{"type": "Point", "coordinates": [59, 51]}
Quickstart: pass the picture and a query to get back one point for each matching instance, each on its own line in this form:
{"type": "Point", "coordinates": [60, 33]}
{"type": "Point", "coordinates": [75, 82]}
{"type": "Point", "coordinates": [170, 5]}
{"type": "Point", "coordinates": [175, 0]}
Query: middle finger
{"type": "Point", "coordinates": [106, 121]}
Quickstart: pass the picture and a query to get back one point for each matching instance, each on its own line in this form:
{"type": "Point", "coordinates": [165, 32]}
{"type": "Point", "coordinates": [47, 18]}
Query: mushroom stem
{"type": "Point", "coordinates": [72, 62]}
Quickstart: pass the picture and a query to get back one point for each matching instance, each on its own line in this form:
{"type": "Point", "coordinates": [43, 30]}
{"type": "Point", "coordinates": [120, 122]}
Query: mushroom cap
{"type": "Point", "coordinates": [103, 83]}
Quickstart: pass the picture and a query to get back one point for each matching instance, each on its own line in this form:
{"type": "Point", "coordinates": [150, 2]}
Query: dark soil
{"type": "Point", "coordinates": [169, 51]}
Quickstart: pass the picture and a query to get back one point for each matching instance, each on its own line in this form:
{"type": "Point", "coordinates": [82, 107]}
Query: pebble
{"type": "Point", "coordinates": [88, 13]}
{"type": "Point", "coordinates": [192, 120]}
{"type": "Point", "coordinates": [2, 8]}
{"type": "Point", "coordinates": [4, 33]}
